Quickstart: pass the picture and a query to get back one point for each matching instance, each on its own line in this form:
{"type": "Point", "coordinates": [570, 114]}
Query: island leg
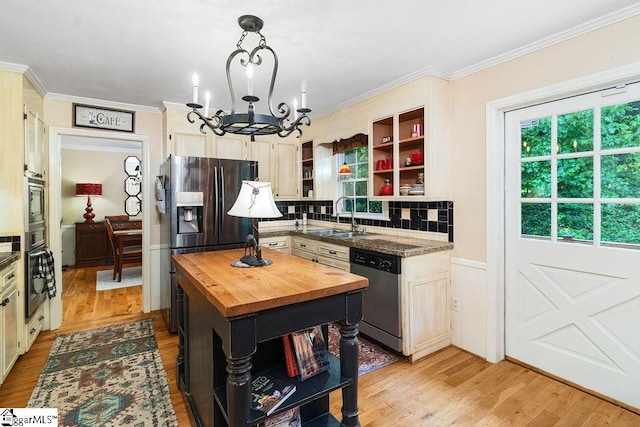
{"type": "Point", "coordinates": [238, 390]}
{"type": "Point", "coordinates": [349, 350]}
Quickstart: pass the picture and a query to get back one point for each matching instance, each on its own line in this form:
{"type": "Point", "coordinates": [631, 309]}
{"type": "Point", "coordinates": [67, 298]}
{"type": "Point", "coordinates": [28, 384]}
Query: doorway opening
{"type": "Point", "coordinates": [63, 212]}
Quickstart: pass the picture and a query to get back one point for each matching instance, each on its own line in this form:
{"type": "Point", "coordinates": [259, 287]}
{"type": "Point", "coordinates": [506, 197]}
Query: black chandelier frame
{"type": "Point", "coordinates": [251, 123]}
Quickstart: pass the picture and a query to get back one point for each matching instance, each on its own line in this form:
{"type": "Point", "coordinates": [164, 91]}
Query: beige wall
{"type": "Point", "coordinates": [60, 114]}
{"type": "Point", "coordinates": [106, 168]}
{"type": "Point", "coordinates": [609, 47]}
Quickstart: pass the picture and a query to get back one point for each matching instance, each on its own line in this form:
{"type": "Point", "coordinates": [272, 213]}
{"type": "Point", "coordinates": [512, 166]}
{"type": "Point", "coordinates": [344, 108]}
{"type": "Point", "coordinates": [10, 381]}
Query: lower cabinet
{"type": "Point", "coordinates": [34, 327]}
{"type": "Point", "coordinates": [279, 243]}
{"type": "Point", "coordinates": [425, 304]}
{"type": "Point", "coordinates": [8, 326]}
{"type": "Point", "coordinates": [324, 253]}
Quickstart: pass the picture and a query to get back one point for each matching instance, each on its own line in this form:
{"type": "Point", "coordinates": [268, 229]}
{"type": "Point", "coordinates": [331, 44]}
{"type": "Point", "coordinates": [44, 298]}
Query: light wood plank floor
{"type": "Point", "coordinates": [451, 387]}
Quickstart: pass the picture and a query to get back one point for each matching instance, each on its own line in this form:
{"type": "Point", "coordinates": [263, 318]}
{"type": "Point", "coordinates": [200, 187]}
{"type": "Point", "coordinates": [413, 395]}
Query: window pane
{"type": "Point", "coordinates": [348, 188]}
{"type": "Point", "coordinates": [361, 204]}
{"type": "Point", "coordinates": [375, 207]}
{"type": "Point", "coordinates": [575, 132]}
{"type": "Point", "coordinates": [620, 125]}
{"type": "Point", "coordinates": [620, 223]}
{"type": "Point", "coordinates": [535, 179]}
{"type": "Point", "coordinates": [535, 137]}
{"type": "Point", "coordinates": [361, 188]}
{"type": "Point", "coordinates": [575, 177]}
{"type": "Point", "coordinates": [620, 175]}
{"type": "Point", "coordinates": [350, 156]}
{"type": "Point", "coordinates": [536, 219]}
{"type": "Point", "coordinates": [575, 220]}
{"type": "Point", "coordinates": [362, 170]}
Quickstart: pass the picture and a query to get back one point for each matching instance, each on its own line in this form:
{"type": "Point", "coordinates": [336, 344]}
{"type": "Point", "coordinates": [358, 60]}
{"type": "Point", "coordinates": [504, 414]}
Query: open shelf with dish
{"type": "Point", "coordinates": [401, 139]}
{"type": "Point", "coordinates": [307, 169]}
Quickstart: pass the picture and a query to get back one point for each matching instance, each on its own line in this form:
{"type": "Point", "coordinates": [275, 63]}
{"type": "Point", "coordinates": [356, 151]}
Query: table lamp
{"type": "Point", "coordinates": [88, 189]}
{"type": "Point", "coordinates": [255, 200]}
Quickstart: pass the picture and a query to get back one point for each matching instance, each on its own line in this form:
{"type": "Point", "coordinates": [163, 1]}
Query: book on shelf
{"type": "Point", "coordinates": [312, 356]}
{"type": "Point", "coordinates": [289, 356]}
{"type": "Point", "coordinates": [288, 418]}
{"type": "Point", "coordinates": [268, 393]}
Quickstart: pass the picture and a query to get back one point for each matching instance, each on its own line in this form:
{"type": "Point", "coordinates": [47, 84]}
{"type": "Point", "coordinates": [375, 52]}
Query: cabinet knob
{"type": "Point", "coordinates": [332, 252]}
{"type": "Point", "coordinates": [5, 302]}
{"type": "Point", "coordinates": [32, 331]}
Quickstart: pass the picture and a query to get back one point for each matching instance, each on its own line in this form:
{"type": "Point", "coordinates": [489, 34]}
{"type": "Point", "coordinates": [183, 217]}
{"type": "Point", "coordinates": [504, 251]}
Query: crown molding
{"type": "Point", "coordinates": [560, 37]}
{"type": "Point", "coordinates": [17, 68]}
{"type": "Point", "coordinates": [430, 70]}
{"type": "Point", "coordinates": [101, 102]}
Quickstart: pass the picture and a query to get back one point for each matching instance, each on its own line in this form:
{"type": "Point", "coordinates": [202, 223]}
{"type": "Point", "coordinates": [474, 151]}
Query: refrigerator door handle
{"type": "Point", "coordinates": [222, 204]}
{"type": "Point", "coordinates": [216, 214]}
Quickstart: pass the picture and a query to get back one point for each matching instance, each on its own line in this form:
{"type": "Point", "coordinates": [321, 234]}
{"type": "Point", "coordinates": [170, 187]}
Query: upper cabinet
{"type": "Point", "coordinates": [409, 150]}
{"type": "Point", "coordinates": [285, 184]}
{"type": "Point", "coordinates": [34, 145]}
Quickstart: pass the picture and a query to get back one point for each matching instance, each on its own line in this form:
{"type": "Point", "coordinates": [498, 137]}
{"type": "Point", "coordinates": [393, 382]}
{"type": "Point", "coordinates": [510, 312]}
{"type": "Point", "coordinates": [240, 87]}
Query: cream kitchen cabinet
{"type": "Point", "coordinates": [334, 255]}
{"type": "Point", "coordinates": [190, 144]}
{"type": "Point", "coordinates": [285, 170]}
{"type": "Point", "coordinates": [277, 164]}
{"type": "Point", "coordinates": [324, 253]}
{"type": "Point", "coordinates": [304, 248]}
{"type": "Point", "coordinates": [426, 325]}
{"type": "Point", "coordinates": [34, 144]}
{"type": "Point", "coordinates": [9, 343]}
{"type": "Point", "coordinates": [279, 243]}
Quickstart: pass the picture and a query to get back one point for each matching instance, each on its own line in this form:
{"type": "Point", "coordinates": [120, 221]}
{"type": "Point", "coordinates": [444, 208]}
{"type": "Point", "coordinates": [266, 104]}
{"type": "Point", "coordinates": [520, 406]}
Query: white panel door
{"type": "Point", "coordinates": [572, 251]}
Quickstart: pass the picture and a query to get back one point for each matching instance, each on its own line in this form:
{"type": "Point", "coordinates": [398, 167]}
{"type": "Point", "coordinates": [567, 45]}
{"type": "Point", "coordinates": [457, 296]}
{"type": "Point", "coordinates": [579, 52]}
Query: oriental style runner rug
{"type": "Point", "coordinates": [109, 376]}
{"type": "Point", "coordinates": [370, 355]}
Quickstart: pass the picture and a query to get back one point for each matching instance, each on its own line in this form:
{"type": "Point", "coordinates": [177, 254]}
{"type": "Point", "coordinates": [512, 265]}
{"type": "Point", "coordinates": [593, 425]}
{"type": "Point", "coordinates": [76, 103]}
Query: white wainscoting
{"type": "Point", "coordinates": [468, 324]}
{"type": "Point", "coordinates": [152, 297]}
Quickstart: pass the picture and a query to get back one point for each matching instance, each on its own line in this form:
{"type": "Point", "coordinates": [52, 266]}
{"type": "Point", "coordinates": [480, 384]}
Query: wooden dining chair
{"type": "Point", "coordinates": [120, 257]}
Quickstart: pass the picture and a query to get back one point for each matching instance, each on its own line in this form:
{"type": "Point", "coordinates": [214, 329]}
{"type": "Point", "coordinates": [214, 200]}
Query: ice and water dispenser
{"type": "Point", "coordinates": [189, 211]}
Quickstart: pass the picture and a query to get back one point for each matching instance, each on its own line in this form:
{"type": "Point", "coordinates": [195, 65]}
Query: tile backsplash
{"type": "Point", "coordinates": [424, 216]}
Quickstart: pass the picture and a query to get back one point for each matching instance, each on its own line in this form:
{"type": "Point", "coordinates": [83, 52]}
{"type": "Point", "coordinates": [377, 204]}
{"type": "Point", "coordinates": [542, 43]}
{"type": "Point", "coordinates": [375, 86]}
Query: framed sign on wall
{"type": "Point", "coordinates": [88, 116]}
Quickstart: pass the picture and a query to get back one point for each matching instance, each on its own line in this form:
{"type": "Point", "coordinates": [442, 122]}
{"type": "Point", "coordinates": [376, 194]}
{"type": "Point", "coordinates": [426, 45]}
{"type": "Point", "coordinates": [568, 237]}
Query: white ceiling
{"type": "Point", "coordinates": [144, 52]}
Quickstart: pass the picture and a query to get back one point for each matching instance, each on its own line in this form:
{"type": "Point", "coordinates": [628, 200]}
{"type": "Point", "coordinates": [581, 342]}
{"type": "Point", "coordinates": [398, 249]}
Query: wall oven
{"type": "Point", "coordinates": [35, 245]}
{"type": "Point", "coordinates": [36, 203]}
{"type": "Point", "coordinates": [35, 293]}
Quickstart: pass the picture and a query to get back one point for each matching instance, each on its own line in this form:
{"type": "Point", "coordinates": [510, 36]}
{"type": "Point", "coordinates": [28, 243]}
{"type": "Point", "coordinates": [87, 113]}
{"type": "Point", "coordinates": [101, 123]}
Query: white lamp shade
{"type": "Point", "coordinates": [255, 200]}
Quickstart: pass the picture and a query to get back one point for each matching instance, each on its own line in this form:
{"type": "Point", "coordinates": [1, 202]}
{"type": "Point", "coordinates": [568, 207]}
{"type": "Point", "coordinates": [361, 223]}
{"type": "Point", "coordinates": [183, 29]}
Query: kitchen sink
{"type": "Point", "coordinates": [325, 232]}
{"type": "Point", "coordinates": [349, 235]}
{"type": "Point", "coordinates": [337, 234]}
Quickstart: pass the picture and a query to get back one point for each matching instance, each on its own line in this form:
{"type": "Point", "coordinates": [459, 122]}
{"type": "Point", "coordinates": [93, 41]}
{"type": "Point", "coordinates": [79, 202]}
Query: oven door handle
{"type": "Point", "coordinates": [38, 253]}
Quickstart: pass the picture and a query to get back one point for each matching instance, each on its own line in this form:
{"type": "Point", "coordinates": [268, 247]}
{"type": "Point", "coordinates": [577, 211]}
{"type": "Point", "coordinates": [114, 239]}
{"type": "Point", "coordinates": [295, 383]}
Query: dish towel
{"type": "Point", "coordinates": [45, 269]}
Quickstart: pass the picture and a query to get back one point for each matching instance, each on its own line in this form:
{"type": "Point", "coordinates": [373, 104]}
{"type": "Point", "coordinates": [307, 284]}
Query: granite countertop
{"type": "Point", "coordinates": [378, 242]}
{"type": "Point", "coordinates": [6, 258]}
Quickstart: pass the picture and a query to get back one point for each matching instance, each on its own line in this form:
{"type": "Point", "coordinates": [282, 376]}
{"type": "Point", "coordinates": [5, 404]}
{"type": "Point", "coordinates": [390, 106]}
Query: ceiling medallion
{"type": "Point", "coordinates": [251, 123]}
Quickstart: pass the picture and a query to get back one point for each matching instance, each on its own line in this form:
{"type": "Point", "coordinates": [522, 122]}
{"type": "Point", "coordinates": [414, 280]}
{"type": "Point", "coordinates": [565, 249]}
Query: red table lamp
{"type": "Point", "coordinates": [88, 189]}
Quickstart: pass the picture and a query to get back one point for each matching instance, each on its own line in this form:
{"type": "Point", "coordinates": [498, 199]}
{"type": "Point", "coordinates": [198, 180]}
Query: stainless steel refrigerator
{"type": "Point", "coordinates": [194, 195]}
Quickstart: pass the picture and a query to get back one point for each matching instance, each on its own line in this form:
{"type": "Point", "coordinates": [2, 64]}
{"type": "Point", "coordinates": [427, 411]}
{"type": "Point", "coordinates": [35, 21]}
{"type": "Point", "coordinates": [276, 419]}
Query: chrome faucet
{"type": "Point", "coordinates": [354, 225]}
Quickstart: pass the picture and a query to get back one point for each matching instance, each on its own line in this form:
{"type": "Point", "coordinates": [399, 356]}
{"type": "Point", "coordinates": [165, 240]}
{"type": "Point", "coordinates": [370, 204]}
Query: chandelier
{"type": "Point", "coordinates": [282, 122]}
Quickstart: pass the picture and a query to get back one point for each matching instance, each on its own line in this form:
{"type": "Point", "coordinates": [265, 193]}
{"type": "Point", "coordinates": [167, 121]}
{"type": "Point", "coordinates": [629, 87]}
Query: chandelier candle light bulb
{"type": "Point", "coordinates": [249, 79]}
{"type": "Point", "coordinates": [303, 88]}
{"type": "Point", "coordinates": [195, 88]}
{"type": "Point", "coordinates": [207, 100]}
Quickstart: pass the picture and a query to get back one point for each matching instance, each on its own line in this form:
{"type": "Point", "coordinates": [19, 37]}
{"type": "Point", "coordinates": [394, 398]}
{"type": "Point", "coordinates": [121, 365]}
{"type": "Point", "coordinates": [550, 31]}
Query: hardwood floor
{"type": "Point", "coordinates": [451, 387]}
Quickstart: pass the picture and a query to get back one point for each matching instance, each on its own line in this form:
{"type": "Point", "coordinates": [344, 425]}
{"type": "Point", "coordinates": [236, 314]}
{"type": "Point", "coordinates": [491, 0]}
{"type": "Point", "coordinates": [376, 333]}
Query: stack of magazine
{"type": "Point", "coordinates": [306, 353]}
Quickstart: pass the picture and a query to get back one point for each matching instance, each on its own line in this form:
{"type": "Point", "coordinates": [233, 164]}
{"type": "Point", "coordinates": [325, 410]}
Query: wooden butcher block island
{"type": "Point", "coordinates": [230, 324]}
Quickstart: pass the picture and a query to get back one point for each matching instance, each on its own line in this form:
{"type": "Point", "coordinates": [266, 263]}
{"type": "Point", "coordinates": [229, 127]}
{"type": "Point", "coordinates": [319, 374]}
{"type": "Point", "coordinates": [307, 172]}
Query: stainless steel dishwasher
{"type": "Point", "coordinates": [382, 300]}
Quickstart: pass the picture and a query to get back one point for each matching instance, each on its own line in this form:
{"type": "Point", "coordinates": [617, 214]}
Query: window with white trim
{"type": "Point", "coordinates": [355, 186]}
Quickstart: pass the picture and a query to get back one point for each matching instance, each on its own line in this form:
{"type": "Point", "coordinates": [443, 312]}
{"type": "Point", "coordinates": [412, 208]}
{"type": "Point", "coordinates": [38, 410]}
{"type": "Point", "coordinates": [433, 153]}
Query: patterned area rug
{"type": "Point", "coordinates": [131, 276]}
{"type": "Point", "coordinates": [109, 376]}
{"type": "Point", "coordinates": [370, 356]}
